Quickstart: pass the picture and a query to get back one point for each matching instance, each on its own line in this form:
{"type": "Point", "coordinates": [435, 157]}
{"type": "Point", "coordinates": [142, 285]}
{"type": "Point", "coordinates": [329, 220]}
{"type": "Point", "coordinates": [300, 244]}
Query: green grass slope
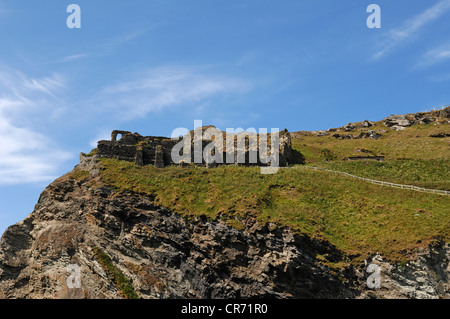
{"type": "Point", "coordinates": [412, 156]}
{"type": "Point", "coordinates": [359, 218]}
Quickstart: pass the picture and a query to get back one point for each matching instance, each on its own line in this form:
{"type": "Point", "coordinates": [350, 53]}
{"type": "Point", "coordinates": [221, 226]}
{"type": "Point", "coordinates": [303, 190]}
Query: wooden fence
{"type": "Point", "coordinates": [411, 187]}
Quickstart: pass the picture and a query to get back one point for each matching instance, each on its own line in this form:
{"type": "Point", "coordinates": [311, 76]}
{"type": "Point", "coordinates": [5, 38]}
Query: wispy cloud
{"type": "Point", "coordinates": [74, 57]}
{"type": "Point", "coordinates": [166, 87]}
{"type": "Point", "coordinates": [26, 155]}
{"type": "Point", "coordinates": [124, 38]}
{"type": "Point", "coordinates": [438, 78]}
{"type": "Point", "coordinates": [106, 47]}
{"type": "Point", "coordinates": [102, 135]}
{"type": "Point", "coordinates": [410, 28]}
{"type": "Point", "coordinates": [434, 56]}
{"type": "Point", "coordinates": [21, 94]}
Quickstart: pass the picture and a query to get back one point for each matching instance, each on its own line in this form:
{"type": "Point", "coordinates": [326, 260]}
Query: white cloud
{"type": "Point", "coordinates": [166, 87]}
{"type": "Point", "coordinates": [74, 57]}
{"type": "Point", "coordinates": [434, 56]}
{"type": "Point", "coordinates": [27, 156]}
{"type": "Point", "coordinates": [20, 93]}
{"type": "Point", "coordinates": [103, 135]}
{"type": "Point", "coordinates": [410, 28]}
{"type": "Point", "coordinates": [124, 38]}
{"type": "Point", "coordinates": [106, 47]}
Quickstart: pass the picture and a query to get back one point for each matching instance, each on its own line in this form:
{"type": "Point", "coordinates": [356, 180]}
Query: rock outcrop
{"type": "Point", "coordinates": [402, 121]}
{"type": "Point", "coordinates": [440, 135]}
{"type": "Point", "coordinates": [365, 134]}
{"type": "Point", "coordinates": [82, 231]}
{"type": "Point", "coordinates": [162, 254]}
{"type": "Point", "coordinates": [398, 122]}
{"type": "Point", "coordinates": [353, 126]}
{"type": "Point", "coordinates": [428, 276]}
{"type": "Point", "coordinates": [395, 122]}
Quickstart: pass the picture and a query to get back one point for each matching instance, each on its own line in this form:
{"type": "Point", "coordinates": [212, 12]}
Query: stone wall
{"type": "Point", "coordinates": [154, 150]}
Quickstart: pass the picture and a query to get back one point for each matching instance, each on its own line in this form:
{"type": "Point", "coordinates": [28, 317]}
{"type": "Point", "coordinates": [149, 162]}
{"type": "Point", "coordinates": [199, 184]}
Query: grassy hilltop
{"type": "Point", "coordinates": [357, 217]}
{"type": "Point", "coordinates": [412, 156]}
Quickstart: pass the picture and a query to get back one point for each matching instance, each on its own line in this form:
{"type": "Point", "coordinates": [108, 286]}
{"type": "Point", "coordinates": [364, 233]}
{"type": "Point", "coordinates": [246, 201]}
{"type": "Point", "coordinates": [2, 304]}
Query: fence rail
{"type": "Point", "coordinates": [402, 186]}
{"type": "Point", "coordinates": [438, 108]}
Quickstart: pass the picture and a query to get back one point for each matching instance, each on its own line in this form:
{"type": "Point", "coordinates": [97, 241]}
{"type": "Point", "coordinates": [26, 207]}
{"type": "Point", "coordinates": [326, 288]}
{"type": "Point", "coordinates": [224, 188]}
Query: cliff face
{"type": "Point", "coordinates": [122, 245]}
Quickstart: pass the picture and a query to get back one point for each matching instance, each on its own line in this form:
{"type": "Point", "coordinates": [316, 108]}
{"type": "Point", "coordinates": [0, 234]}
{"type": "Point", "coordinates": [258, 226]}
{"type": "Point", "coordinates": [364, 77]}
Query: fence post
{"type": "Point", "coordinates": [411, 187]}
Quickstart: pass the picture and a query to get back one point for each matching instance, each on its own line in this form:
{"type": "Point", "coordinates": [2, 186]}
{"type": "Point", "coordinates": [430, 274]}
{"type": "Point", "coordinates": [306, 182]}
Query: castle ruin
{"type": "Point", "coordinates": [216, 148]}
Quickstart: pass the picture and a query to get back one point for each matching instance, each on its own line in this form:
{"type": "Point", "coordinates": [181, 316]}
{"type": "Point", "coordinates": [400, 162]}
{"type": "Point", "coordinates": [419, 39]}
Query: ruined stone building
{"type": "Point", "coordinates": [158, 151]}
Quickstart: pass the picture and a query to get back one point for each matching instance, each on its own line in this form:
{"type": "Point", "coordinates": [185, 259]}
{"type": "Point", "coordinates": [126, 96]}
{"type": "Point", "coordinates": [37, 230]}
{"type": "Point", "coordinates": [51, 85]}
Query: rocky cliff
{"type": "Point", "coordinates": [85, 240]}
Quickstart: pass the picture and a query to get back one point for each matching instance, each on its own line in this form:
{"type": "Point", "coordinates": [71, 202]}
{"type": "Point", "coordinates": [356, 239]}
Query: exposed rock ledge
{"type": "Point", "coordinates": [166, 256]}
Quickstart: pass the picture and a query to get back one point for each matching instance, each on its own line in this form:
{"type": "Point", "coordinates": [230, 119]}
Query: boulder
{"type": "Point", "coordinates": [423, 118]}
{"type": "Point", "coordinates": [322, 133]}
{"type": "Point", "coordinates": [441, 135]}
{"type": "Point", "coordinates": [366, 123]}
{"type": "Point", "coordinates": [398, 127]}
{"type": "Point", "coordinates": [445, 113]}
{"type": "Point", "coordinates": [397, 121]}
{"type": "Point", "coordinates": [350, 127]}
{"type": "Point", "coordinates": [343, 137]}
{"type": "Point", "coordinates": [369, 134]}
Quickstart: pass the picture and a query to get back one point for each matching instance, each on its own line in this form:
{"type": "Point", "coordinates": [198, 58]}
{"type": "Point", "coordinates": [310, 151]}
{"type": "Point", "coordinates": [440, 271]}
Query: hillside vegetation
{"type": "Point", "coordinates": [413, 143]}
{"type": "Point", "coordinates": [357, 217]}
{"type": "Point", "coordinates": [411, 156]}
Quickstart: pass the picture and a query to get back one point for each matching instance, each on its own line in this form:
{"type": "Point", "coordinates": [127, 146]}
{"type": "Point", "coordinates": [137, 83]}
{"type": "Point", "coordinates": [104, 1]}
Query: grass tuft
{"type": "Point", "coordinates": [119, 279]}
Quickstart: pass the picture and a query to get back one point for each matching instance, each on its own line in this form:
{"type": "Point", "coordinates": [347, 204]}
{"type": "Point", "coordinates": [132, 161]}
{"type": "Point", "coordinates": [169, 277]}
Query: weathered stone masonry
{"type": "Point", "coordinates": [157, 151]}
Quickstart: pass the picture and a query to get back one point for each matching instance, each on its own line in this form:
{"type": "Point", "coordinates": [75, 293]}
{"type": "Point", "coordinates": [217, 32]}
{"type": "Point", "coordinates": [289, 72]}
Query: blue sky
{"type": "Point", "coordinates": [151, 66]}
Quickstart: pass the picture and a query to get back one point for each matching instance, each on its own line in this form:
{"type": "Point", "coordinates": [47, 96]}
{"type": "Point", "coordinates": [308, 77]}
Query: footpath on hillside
{"type": "Point", "coordinates": [388, 184]}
